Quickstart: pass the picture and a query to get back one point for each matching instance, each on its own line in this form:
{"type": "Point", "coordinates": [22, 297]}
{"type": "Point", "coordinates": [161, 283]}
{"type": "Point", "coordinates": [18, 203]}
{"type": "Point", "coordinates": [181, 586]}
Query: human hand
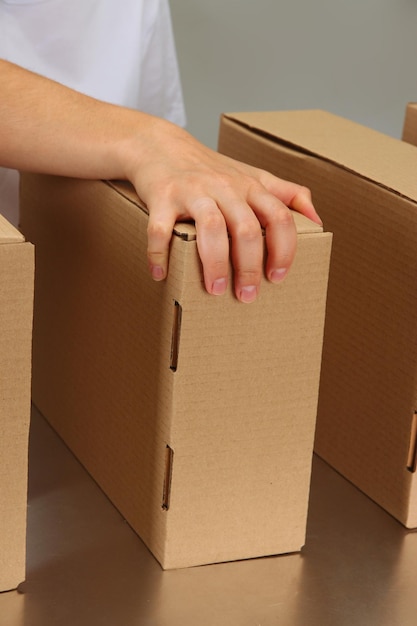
{"type": "Point", "coordinates": [185, 180]}
{"type": "Point", "coordinates": [56, 130]}
{"type": "Point", "coordinates": [176, 176]}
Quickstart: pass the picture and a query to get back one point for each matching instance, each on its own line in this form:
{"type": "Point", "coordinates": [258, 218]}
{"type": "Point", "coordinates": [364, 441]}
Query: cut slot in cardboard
{"type": "Point", "coordinates": [364, 187]}
{"type": "Point", "coordinates": [16, 308]}
{"type": "Point", "coordinates": [194, 413]}
{"type": "Point", "coordinates": [412, 455]}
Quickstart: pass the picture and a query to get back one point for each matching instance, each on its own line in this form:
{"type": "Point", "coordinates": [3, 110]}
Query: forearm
{"type": "Point", "coordinates": [46, 127]}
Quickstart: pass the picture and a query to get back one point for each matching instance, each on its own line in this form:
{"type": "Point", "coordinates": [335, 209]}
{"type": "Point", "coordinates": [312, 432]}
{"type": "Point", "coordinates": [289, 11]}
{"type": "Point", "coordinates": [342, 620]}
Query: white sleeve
{"type": "Point", "coordinates": [118, 52]}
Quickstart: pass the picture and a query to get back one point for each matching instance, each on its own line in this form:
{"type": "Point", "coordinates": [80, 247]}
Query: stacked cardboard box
{"type": "Point", "coordinates": [195, 414]}
{"type": "Point", "coordinates": [16, 308]}
{"type": "Point", "coordinates": [364, 185]}
{"type": "Point", "coordinates": [410, 124]}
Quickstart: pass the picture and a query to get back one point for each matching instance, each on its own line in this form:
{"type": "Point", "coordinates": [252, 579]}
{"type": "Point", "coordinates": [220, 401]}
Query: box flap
{"type": "Point", "coordinates": [384, 160]}
{"type": "Point", "coordinates": [186, 230]}
{"type": "Point", "coordinates": [8, 233]}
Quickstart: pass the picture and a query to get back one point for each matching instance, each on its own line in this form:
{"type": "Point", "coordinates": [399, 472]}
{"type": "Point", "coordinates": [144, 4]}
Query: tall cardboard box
{"type": "Point", "coordinates": [364, 187]}
{"type": "Point", "coordinates": [409, 133]}
{"type": "Point", "coordinates": [195, 414]}
{"type": "Point", "coordinates": [16, 309]}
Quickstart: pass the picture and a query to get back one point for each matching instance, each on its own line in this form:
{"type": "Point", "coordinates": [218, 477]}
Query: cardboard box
{"type": "Point", "coordinates": [410, 124]}
{"type": "Point", "coordinates": [195, 414]}
{"type": "Point", "coordinates": [16, 309]}
{"type": "Point", "coordinates": [364, 186]}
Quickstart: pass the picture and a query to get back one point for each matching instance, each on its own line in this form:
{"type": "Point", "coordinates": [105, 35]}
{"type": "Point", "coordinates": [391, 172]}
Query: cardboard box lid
{"type": "Point", "coordinates": [187, 231]}
{"type": "Point", "coordinates": [342, 142]}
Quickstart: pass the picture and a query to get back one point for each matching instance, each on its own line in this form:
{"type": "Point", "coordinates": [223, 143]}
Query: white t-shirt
{"type": "Point", "coordinates": [120, 51]}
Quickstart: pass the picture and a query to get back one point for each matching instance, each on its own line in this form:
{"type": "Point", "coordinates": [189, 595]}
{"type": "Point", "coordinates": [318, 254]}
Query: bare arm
{"type": "Point", "coordinates": [48, 128]}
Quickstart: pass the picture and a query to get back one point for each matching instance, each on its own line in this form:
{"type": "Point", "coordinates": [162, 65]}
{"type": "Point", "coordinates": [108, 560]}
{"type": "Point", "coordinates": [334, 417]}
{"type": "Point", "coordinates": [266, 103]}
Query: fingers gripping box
{"type": "Point", "coordinates": [195, 414]}
{"type": "Point", "coordinates": [16, 309]}
{"type": "Point", "coordinates": [364, 187]}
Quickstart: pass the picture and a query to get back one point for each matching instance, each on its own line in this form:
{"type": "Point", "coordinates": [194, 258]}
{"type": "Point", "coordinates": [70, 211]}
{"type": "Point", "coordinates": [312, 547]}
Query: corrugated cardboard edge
{"type": "Point", "coordinates": [409, 134]}
{"type": "Point", "coordinates": [187, 230]}
{"type": "Point", "coordinates": [336, 141]}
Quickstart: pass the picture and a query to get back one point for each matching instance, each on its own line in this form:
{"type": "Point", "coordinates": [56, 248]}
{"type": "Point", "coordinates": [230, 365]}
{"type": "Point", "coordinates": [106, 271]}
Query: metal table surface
{"type": "Point", "coordinates": [86, 567]}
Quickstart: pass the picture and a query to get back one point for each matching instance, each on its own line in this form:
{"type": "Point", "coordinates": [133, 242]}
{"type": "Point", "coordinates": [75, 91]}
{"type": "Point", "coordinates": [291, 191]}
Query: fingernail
{"type": "Point", "coordinates": [319, 220]}
{"type": "Point", "coordinates": [157, 272]}
{"type": "Point", "coordinates": [277, 275]}
{"type": "Point", "coordinates": [219, 287]}
{"type": "Point", "coordinates": [248, 294]}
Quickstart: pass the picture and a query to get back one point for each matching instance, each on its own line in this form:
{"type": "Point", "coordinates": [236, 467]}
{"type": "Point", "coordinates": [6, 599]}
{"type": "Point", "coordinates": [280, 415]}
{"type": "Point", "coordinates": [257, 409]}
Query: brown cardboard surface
{"type": "Point", "coordinates": [195, 414]}
{"type": "Point", "coordinates": [364, 187]}
{"type": "Point", "coordinates": [409, 133]}
{"type": "Point", "coordinates": [16, 307]}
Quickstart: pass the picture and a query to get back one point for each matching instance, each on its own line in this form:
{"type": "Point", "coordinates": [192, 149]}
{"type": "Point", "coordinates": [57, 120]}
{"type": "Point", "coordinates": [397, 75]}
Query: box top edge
{"type": "Point", "coordinates": [342, 142]}
{"type": "Point", "coordinates": [184, 230]}
{"type": "Point", "coordinates": [187, 230]}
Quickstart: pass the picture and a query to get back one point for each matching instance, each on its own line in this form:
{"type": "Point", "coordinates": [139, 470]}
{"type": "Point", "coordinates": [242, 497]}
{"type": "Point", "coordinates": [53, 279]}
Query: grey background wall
{"type": "Point", "coordinates": [355, 58]}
